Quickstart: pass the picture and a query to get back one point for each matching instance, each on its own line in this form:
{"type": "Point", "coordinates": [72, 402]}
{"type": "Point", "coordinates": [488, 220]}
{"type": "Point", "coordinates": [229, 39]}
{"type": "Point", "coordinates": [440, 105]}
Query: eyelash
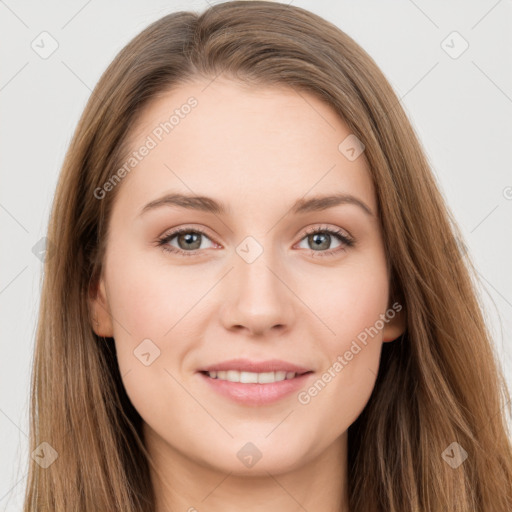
{"type": "Point", "coordinates": [338, 233]}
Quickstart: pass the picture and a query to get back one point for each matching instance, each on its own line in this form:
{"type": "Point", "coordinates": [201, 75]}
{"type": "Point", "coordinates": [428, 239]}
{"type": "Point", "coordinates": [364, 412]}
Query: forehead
{"type": "Point", "coordinates": [242, 143]}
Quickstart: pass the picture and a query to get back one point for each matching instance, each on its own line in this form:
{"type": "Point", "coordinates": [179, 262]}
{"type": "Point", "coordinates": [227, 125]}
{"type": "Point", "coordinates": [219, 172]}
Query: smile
{"type": "Point", "coordinates": [255, 389]}
{"type": "Point", "coordinates": [251, 377]}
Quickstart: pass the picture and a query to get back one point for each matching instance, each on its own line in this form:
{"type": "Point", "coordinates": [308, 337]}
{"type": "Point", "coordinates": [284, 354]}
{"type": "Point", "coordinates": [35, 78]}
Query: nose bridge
{"type": "Point", "coordinates": [256, 296]}
{"type": "Point", "coordinates": [256, 266]}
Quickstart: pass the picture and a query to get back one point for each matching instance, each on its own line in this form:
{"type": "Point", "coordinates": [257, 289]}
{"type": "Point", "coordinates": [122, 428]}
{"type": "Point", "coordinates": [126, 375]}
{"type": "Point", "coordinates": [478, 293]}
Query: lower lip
{"type": "Point", "coordinates": [256, 394]}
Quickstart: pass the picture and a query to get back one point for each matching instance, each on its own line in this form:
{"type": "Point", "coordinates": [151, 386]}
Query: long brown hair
{"type": "Point", "coordinates": [440, 383]}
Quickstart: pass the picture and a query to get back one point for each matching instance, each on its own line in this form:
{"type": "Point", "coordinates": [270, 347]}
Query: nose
{"type": "Point", "coordinates": [258, 297]}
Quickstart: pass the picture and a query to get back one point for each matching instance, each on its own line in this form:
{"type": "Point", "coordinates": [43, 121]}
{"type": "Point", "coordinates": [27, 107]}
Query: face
{"type": "Point", "coordinates": [265, 275]}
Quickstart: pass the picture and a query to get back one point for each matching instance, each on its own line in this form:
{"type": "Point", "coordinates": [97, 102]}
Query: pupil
{"type": "Point", "coordinates": [322, 244]}
{"type": "Point", "coordinates": [190, 239]}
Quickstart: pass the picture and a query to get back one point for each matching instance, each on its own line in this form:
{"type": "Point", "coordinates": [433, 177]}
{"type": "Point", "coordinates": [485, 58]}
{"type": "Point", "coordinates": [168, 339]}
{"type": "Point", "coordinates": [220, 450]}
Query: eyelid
{"type": "Point", "coordinates": [187, 227]}
{"type": "Point", "coordinates": [329, 228]}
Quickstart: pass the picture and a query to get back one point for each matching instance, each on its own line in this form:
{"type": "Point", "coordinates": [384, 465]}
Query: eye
{"type": "Point", "coordinates": [320, 238]}
{"type": "Point", "coordinates": [187, 238]}
{"type": "Point", "coordinates": [189, 241]}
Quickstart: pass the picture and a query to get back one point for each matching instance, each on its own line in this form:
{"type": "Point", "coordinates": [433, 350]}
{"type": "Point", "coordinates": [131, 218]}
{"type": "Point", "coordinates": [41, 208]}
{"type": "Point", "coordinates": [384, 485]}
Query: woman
{"type": "Point", "coordinates": [258, 299]}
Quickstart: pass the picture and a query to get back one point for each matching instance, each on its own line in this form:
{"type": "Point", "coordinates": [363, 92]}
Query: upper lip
{"type": "Point", "coordinates": [246, 365]}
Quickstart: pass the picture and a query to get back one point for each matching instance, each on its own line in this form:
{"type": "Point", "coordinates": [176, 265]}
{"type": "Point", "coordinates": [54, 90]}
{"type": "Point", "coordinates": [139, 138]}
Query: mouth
{"type": "Point", "coordinates": [245, 377]}
{"type": "Point", "coordinates": [247, 368]}
{"type": "Point", "coordinates": [255, 384]}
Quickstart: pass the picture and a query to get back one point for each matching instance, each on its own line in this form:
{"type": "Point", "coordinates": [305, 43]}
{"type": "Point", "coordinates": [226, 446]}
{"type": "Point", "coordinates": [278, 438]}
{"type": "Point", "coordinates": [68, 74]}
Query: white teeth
{"type": "Point", "coordinates": [268, 377]}
{"type": "Point", "coordinates": [250, 377]}
{"type": "Point", "coordinates": [245, 377]}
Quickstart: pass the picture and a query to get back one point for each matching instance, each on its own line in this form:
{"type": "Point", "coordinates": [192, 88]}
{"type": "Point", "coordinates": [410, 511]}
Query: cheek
{"type": "Point", "coordinates": [149, 297]}
{"type": "Point", "coordinates": [149, 303]}
{"type": "Point", "coordinates": [350, 305]}
{"type": "Point", "coordinates": [148, 306]}
{"type": "Point", "coordinates": [348, 299]}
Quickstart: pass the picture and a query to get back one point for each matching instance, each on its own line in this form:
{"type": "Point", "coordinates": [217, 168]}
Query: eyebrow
{"type": "Point", "coordinates": [210, 205]}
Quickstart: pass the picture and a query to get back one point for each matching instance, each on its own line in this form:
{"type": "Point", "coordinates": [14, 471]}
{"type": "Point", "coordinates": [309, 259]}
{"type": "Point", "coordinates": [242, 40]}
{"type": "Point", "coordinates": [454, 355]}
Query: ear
{"type": "Point", "coordinates": [395, 324]}
{"type": "Point", "coordinates": [100, 310]}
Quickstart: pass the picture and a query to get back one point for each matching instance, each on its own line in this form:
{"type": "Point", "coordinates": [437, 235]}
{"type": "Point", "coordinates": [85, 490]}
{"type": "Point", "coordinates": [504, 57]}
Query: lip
{"type": "Point", "coordinates": [246, 365]}
{"type": "Point", "coordinates": [256, 394]}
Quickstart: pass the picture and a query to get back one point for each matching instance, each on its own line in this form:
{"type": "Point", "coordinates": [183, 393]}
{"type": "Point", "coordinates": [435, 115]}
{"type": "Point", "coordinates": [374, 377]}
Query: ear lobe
{"type": "Point", "coordinates": [100, 310]}
{"type": "Point", "coordinates": [395, 325]}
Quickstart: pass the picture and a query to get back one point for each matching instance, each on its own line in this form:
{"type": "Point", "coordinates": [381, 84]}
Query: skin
{"type": "Point", "coordinates": [257, 150]}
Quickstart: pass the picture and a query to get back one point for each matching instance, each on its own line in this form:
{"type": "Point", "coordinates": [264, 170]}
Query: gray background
{"type": "Point", "coordinates": [460, 107]}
